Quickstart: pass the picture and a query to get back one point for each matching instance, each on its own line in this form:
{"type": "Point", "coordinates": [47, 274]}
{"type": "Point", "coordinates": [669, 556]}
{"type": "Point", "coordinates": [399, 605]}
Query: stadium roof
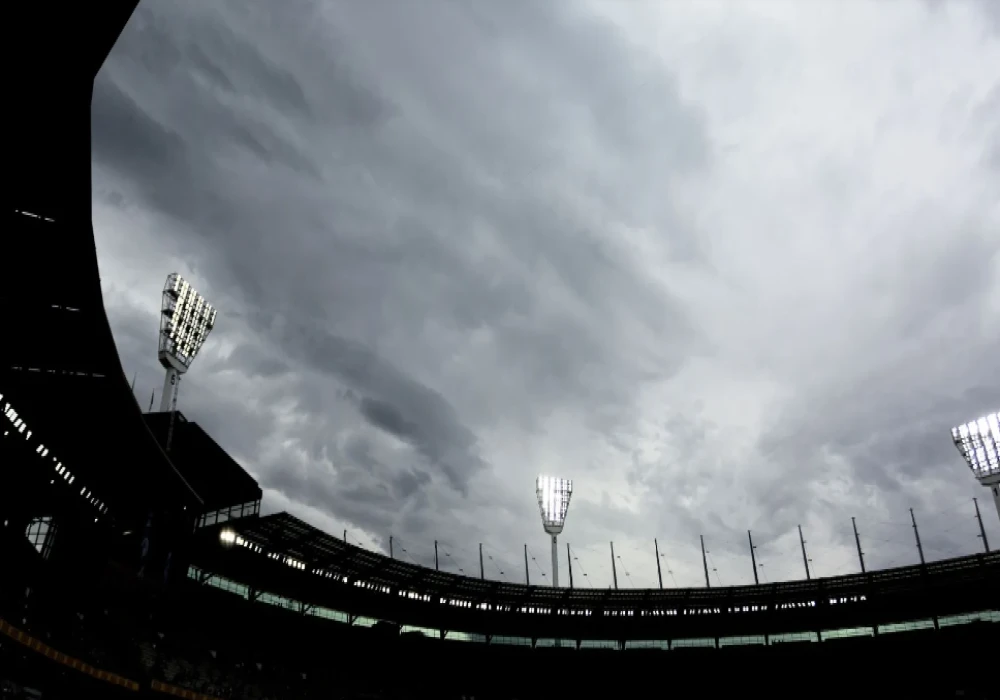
{"type": "Point", "coordinates": [106, 444]}
{"type": "Point", "coordinates": [217, 478]}
{"type": "Point", "coordinates": [286, 556]}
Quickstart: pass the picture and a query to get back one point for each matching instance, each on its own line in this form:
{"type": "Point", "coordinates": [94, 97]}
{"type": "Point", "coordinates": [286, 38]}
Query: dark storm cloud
{"type": "Point", "coordinates": [393, 402]}
{"type": "Point", "coordinates": [457, 244]}
{"type": "Point", "coordinates": [268, 239]}
{"type": "Point", "coordinates": [126, 136]}
{"type": "Point", "coordinates": [887, 433]}
{"type": "Point", "coordinates": [251, 360]}
{"type": "Point", "coordinates": [388, 418]}
{"type": "Point", "coordinates": [452, 454]}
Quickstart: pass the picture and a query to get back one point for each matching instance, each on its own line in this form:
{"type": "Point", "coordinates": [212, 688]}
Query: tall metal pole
{"type": "Point", "coordinates": [569, 563]}
{"type": "Point", "coordinates": [995, 488]}
{"type": "Point", "coordinates": [391, 555]}
{"type": "Point", "coordinates": [614, 569]}
{"type": "Point", "coordinates": [436, 566]}
{"type": "Point", "coordinates": [482, 571]}
{"type": "Point", "coordinates": [916, 533]}
{"type": "Point", "coordinates": [168, 395]}
{"type": "Point", "coordinates": [704, 560]}
{"type": "Point", "coordinates": [857, 540]}
{"type": "Point", "coordinates": [805, 559]}
{"type": "Point", "coordinates": [555, 563]}
{"type": "Point", "coordinates": [659, 573]}
{"type": "Point", "coordinates": [982, 530]}
{"type": "Point", "coordinates": [753, 559]}
{"type": "Point", "coordinates": [527, 579]}
{"type": "Point", "coordinates": [171, 384]}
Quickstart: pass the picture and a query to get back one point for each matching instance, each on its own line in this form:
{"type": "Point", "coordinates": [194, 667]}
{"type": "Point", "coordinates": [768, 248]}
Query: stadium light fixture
{"type": "Point", "coordinates": [186, 319]}
{"type": "Point", "coordinates": [979, 443]}
{"type": "Point", "coordinates": [553, 503]}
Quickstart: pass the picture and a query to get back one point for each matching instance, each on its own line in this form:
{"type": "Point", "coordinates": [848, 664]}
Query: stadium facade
{"type": "Point", "coordinates": [147, 549]}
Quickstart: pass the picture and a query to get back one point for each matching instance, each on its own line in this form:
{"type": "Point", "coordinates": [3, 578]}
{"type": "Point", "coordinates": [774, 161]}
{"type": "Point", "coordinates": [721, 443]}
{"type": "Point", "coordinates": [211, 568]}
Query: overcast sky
{"type": "Point", "coordinates": [727, 265]}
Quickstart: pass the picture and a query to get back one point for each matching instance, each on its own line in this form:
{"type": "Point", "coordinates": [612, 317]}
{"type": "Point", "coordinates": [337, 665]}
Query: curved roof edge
{"type": "Point", "coordinates": [285, 556]}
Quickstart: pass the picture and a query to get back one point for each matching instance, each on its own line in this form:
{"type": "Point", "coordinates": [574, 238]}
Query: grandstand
{"type": "Point", "coordinates": [314, 573]}
{"type": "Point", "coordinates": [134, 571]}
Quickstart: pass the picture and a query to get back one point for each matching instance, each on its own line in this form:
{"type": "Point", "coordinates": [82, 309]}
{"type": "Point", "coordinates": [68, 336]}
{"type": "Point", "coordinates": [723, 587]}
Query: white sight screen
{"type": "Point", "coordinates": [979, 443]}
{"type": "Point", "coordinates": [189, 322]}
{"type": "Point", "coordinates": [553, 499]}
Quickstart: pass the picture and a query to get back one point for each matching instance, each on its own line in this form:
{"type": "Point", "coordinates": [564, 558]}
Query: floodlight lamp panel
{"type": "Point", "coordinates": [186, 320]}
{"type": "Point", "coordinates": [979, 443]}
{"type": "Point", "coordinates": [553, 501]}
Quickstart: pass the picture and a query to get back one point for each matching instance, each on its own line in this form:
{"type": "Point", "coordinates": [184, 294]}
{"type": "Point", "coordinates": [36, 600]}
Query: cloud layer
{"type": "Point", "coordinates": [728, 267]}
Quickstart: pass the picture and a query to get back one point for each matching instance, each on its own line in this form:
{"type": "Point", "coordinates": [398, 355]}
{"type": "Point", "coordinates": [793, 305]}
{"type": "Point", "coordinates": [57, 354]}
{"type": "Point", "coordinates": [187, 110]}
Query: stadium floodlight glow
{"type": "Point", "coordinates": [186, 319]}
{"type": "Point", "coordinates": [979, 443]}
{"type": "Point", "coordinates": [553, 503]}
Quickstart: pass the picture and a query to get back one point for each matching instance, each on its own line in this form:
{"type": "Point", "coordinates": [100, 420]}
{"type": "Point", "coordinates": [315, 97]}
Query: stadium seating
{"type": "Point", "coordinates": [212, 645]}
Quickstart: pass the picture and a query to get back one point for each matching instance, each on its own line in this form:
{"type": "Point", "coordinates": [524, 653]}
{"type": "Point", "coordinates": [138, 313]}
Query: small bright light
{"type": "Point", "coordinates": [227, 537]}
{"type": "Point", "coordinates": [979, 443]}
{"type": "Point", "coordinates": [553, 501]}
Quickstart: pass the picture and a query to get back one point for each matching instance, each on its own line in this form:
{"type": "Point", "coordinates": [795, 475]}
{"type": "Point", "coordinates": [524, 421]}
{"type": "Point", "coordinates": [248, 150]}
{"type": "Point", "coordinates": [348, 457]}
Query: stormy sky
{"type": "Point", "coordinates": [727, 265]}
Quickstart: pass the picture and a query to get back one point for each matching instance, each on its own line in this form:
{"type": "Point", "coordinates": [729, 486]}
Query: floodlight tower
{"type": "Point", "coordinates": [186, 319]}
{"type": "Point", "coordinates": [553, 502]}
{"type": "Point", "coordinates": [979, 443]}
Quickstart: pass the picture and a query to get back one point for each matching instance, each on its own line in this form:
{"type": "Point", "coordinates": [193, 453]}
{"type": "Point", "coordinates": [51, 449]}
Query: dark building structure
{"type": "Point", "coordinates": [225, 489]}
{"type": "Point", "coordinates": [311, 570]}
{"type": "Point", "coordinates": [59, 368]}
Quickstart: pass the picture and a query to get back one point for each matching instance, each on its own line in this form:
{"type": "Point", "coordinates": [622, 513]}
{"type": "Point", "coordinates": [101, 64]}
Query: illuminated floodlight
{"type": "Point", "coordinates": [979, 443]}
{"type": "Point", "coordinates": [553, 503]}
{"type": "Point", "coordinates": [186, 319]}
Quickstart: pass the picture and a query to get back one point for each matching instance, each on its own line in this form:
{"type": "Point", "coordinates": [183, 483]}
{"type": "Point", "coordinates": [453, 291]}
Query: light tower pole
{"type": "Point", "coordinates": [186, 319]}
{"type": "Point", "coordinates": [553, 503]}
{"type": "Point", "coordinates": [979, 443]}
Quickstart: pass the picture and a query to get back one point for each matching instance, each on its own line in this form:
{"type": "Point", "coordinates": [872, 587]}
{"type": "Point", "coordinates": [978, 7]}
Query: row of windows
{"type": "Point", "coordinates": [18, 425]}
{"type": "Point", "coordinates": [343, 617]}
{"type": "Point", "coordinates": [240, 510]}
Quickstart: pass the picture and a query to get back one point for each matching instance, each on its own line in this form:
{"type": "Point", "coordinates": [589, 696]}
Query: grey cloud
{"type": "Point", "coordinates": [126, 135]}
{"type": "Point", "coordinates": [255, 75]}
{"type": "Point", "coordinates": [434, 433]}
{"type": "Point", "coordinates": [403, 484]}
{"type": "Point", "coordinates": [456, 244]}
{"type": "Point", "coordinates": [271, 149]}
{"type": "Point", "coordinates": [384, 416]}
{"type": "Point", "coordinates": [367, 504]}
{"type": "Point", "coordinates": [990, 11]}
{"type": "Point", "coordinates": [539, 235]}
{"type": "Point", "coordinates": [408, 483]}
{"type": "Point", "coordinates": [251, 360]}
